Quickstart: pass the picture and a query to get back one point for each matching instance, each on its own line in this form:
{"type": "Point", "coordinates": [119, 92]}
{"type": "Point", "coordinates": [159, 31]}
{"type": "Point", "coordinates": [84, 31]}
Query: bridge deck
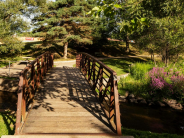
{"type": "Point", "coordinates": [66, 104]}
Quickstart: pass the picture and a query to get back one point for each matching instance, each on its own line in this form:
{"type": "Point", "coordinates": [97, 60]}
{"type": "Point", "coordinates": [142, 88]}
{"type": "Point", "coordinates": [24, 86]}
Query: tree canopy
{"type": "Point", "coordinates": [66, 21]}
{"type": "Point", "coordinates": [156, 25]}
{"type": "Point", "coordinates": [12, 21]}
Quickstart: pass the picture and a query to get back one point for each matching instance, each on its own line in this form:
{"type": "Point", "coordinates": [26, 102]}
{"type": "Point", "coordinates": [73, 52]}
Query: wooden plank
{"type": "Point", "coordinates": [41, 109]}
{"type": "Point", "coordinates": [61, 114]}
{"type": "Point", "coordinates": [66, 136]}
{"type": "Point", "coordinates": [64, 100]}
{"type": "Point", "coordinates": [65, 119]}
{"type": "Point", "coordinates": [69, 105]}
{"type": "Point", "coordinates": [65, 105]}
{"type": "Point", "coordinates": [60, 124]}
{"type": "Point", "coordinates": [71, 129]}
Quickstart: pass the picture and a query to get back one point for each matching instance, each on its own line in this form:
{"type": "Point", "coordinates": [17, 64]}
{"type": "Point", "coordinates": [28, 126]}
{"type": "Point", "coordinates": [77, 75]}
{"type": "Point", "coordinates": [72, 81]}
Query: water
{"type": "Point", "coordinates": [159, 120]}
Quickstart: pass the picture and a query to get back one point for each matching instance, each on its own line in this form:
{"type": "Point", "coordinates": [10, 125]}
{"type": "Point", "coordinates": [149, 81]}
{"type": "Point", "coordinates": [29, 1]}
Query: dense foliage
{"type": "Point", "coordinates": [12, 22]}
{"type": "Point", "coordinates": [156, 83]}
{"type": "Point", "coordinates": [65, 21]}
{"type": "Point", "coordinates": [157, 26]}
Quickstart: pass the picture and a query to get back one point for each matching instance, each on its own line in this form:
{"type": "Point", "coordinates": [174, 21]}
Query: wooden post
{"type": "Point", "coordinates": [83, 64]}
{"type": "Point", "coordinates": [117, 109]}
{"type": "Point", "coordinates": [47, 62]}
{"type": "Point", "coordinates": [32, 79]}
{"type": "Point", "coordinates": [19, 105]}
{"type": "Point", "coordinates": [23, 100]}
{"type": "Point", "coordinates": [111, 111]}
{"type": "Point", "coordinates": [78, 60]}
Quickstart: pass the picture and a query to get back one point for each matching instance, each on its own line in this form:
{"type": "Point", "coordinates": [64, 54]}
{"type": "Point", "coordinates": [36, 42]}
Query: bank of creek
{"type": "Point", "coordinates": [153, 119]}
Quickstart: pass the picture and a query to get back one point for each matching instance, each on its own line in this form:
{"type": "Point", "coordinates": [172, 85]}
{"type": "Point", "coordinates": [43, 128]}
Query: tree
{"type": "Point", "coordinates": [165, 34]}
{"type": "Point", "coordinates": [65, 21]}
{"type": "Point", "coordinates": [157, 25]}
{"type": "Point", "coordinates": [11, 22]}
{"type": "Point", "coordinates": [124, 14]}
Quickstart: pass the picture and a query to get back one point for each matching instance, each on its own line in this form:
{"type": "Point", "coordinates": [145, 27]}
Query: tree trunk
{"type": "Point", "coordinates": [165, 56]}
{"type": "Point", "coordinates": [127, 44]}
{"type": "Point", "coordinates": [65, 50]}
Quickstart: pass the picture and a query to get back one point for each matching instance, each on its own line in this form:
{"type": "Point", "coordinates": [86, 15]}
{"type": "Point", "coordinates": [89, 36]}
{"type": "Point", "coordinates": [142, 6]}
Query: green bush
{"type": "Point", "coordinates": [138, 70]}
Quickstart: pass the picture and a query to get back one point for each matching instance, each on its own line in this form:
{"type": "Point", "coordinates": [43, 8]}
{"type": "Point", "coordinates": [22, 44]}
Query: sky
{"type": "Point", "coordinates": [31, 17]}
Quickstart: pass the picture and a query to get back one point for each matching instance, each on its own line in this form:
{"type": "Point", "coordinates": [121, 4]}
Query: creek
{"type": "Point", "coordinates": [153, 119]}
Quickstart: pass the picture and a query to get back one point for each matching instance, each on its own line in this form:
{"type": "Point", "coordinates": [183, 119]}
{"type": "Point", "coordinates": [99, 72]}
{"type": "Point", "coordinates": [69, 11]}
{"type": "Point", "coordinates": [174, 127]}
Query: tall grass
{"type": "Point", "coordinates": [155, 82]}
{"type": "Point", "coordinates": [139, 70]}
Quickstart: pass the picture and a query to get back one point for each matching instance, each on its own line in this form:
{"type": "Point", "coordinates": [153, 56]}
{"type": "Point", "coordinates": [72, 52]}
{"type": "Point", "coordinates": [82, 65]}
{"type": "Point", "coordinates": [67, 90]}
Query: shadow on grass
{"type": "Point", "coordinates": [9, 121]}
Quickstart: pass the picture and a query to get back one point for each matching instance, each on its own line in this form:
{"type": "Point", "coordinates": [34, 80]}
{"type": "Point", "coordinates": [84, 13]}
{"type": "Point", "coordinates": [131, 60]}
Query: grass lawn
{"type": "Point", "coordinates": [122, 65]}
{"type": "Point", "coordinates": [7, 122]}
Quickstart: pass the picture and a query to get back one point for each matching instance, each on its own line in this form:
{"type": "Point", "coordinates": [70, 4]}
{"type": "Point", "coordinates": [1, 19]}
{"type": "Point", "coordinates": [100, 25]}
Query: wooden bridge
{"type": "Point", "coordinates": [68, 102]}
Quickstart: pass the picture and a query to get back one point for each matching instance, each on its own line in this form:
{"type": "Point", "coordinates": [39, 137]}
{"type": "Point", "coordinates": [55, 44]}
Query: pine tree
{"type": "Point", "coordinates": [11, 22]}
{"type": "Point", "coordinates": [66, 21]}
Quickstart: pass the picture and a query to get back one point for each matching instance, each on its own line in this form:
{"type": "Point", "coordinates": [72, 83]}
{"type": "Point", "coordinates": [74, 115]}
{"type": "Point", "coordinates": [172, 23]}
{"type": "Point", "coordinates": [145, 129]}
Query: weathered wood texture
{"type": "Point", "coordinates": [29, 82]}
{"type": "Point", "coordinates": [103, 80]}
{"type": "Point", "coordinates": [64, 136]}
{"type": "Point", "coordinates": [66, 104]}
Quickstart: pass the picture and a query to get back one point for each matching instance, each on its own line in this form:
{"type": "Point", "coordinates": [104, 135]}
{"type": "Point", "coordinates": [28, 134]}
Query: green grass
{"type": "Point", "coordinates": [147, 134]}
{"type": "Point", "coordinates": [7, 122]}
{"type": "Point", "coordinates": [122, 65]}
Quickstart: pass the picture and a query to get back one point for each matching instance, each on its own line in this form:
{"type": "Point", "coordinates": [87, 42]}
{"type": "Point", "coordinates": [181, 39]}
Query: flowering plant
{"type": "Point", "coordinates": [165, 84]}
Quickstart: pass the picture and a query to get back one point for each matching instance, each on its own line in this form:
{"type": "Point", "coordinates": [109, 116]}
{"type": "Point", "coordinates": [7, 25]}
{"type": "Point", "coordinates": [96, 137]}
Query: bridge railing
{"type": "Point", "coordinates": [29, 82]}
{"type": "Point", "coordinates": [103, 81]}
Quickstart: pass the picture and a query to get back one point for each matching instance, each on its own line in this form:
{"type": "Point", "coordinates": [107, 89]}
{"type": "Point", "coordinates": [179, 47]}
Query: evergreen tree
{"type": "Point", "coordinates": [66, 21]}
{"type": "Point", "coordinates": [11, 22]}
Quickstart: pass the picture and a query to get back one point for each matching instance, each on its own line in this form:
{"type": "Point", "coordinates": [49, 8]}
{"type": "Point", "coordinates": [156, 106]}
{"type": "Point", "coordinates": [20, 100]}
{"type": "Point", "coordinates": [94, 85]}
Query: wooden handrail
{"type": "Point", "coordinates": [103, 81]}
{"type": "Point", "coordinates": [29, 83]}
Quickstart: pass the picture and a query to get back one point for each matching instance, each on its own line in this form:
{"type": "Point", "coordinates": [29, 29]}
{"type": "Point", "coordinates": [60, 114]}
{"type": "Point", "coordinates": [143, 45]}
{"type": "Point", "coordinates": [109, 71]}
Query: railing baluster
{"type": "Point", "coordinates": [101, 81]}
{"type": "Point", "coordinates": [89, 73]}
{"type": "Point", "coordinates": [94, 74]}
{"type": "Point", "coordinates": [86, 69]}
{"type": "Point", "coordinates": [32, 80]}
{"type": "Point", "coordinates": [85, 66]}
{"type": "Point", "coordinates": [24, 94]}
{"type": "Point", "coordinates": [45, 64]}
{"type": "Point", "coordinates": [52, 59]}
{"type": "Point", "coordinates": [42, 68]}
{"type": "Point", "coordinates": [111, 109]}
{"type": "Point", "coordinates": [38, 73]}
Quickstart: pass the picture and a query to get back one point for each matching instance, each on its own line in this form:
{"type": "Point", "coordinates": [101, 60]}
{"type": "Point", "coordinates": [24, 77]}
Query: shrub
{"type": "Point", "coordinates": [138, 70]}
{"type": "Point", "coordinates": [166, 84]}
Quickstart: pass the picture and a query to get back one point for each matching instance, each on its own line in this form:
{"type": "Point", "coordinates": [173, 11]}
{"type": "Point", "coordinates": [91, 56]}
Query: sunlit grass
{"type": "Point", "coordinates": [7, 122]}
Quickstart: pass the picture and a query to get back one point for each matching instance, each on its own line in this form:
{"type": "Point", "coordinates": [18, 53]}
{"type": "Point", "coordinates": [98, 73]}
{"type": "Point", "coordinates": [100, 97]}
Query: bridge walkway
{"type": "Point", "coordinates": [70, 102]}
{"type": "Point", "coordinates": [66, 104]}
